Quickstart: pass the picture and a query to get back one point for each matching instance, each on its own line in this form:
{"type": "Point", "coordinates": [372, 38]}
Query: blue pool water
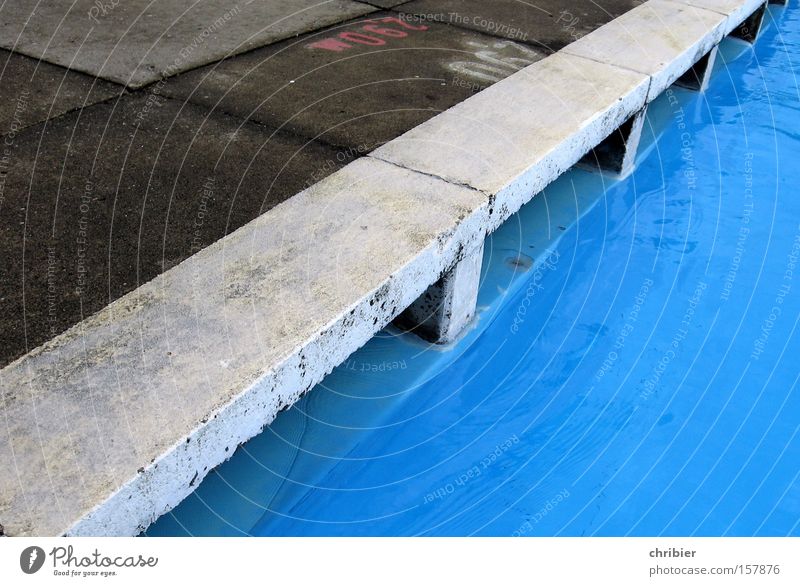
{"type": "Point", "coordinates": [633, 369]}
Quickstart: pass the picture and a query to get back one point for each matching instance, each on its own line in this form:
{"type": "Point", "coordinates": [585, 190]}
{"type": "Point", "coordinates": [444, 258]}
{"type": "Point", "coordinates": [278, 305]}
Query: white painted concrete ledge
{"type": "Point", "coordinates": [114, 422]}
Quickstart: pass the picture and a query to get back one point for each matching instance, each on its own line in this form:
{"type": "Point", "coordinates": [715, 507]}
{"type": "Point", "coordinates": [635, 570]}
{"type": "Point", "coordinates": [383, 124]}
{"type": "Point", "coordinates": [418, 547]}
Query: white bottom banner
{"type": "Point", "coordinates": [423, 561]}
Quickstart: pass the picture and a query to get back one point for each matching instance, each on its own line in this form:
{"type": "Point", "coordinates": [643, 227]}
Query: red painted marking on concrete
{"type": "Point", "coordinates": [387, 32]}
{"type": "Point", "coordinates": [329, 45]}
{"type": "Point", "coordinates": [375, 39]}
{"type": "Point", "coordinates": [362, 39]}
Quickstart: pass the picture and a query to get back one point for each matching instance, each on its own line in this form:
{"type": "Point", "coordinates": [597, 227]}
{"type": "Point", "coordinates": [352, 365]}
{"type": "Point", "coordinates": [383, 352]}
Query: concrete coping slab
{"type": "Point", "coordinates": [517, 136]}
{"type": "Point", "coordinates": [115, 421]}
{"type": "Point", "coordinates": [660, 38]}
{"type": "Point", "coordinates": [735, 10]}
{"type": "Point", "coordinates": [543, 119]}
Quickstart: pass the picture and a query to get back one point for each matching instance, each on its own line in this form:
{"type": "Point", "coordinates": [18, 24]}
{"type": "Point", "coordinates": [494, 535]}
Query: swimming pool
{"type": "Point", "coordinates": [631, 370]}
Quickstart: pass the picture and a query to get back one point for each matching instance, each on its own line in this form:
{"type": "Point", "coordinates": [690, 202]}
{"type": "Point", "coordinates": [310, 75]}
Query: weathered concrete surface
{"type": "Point", "coordinates": [514, 138]}
{"type": "Point", "coordinates": [735, 10]}
{"type": "Point", "coordinates": [34, 91]}
{"type": "Point", "coordinates": [84, 224]}
{"type": "Point", "coordinates": [331, 85]}
{"type": "Point", "coordinates": [443, 312]}
{"type": "Point", "coordinates": [384, 3]}
{"type": "Point", "coordinates": [169, 379]}
{"type": "Point", "coordinates": [551, 24]}
{"type": "Point", "coordinates": [661, 38]}
{"type": "Point", "coordinates": [135, 42]}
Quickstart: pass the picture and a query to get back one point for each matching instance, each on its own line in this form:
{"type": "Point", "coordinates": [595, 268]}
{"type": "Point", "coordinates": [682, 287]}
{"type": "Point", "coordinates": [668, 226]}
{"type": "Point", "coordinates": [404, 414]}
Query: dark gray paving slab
{"type": "Point", "coordinates": [135, 42]}
{"type": "Point", "coordinates": [548, 23]}
{"type": "Point", "coordinates": [384, 3]}
{"type": "Point", "coordinates": [33, 91]}
{"type": "Point", "coordinates": [359, 84]}
{"type": "Point", "coordinates": [99, 201]}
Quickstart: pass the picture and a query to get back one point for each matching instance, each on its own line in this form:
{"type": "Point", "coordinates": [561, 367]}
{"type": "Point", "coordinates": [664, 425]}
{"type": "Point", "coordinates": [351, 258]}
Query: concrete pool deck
{"type": "Point", "coordinates": [113, 422]}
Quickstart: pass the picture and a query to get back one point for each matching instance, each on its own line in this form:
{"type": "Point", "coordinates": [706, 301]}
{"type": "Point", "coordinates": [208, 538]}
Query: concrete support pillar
{"type": "Point", "coordinates": [698, 75]}
{"type": "Point", "coordinates": [748, 30]}
{"type": "Point", "coordinates": [444, 310]}
{"type": "Point", "coordinates": [617, 153]}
